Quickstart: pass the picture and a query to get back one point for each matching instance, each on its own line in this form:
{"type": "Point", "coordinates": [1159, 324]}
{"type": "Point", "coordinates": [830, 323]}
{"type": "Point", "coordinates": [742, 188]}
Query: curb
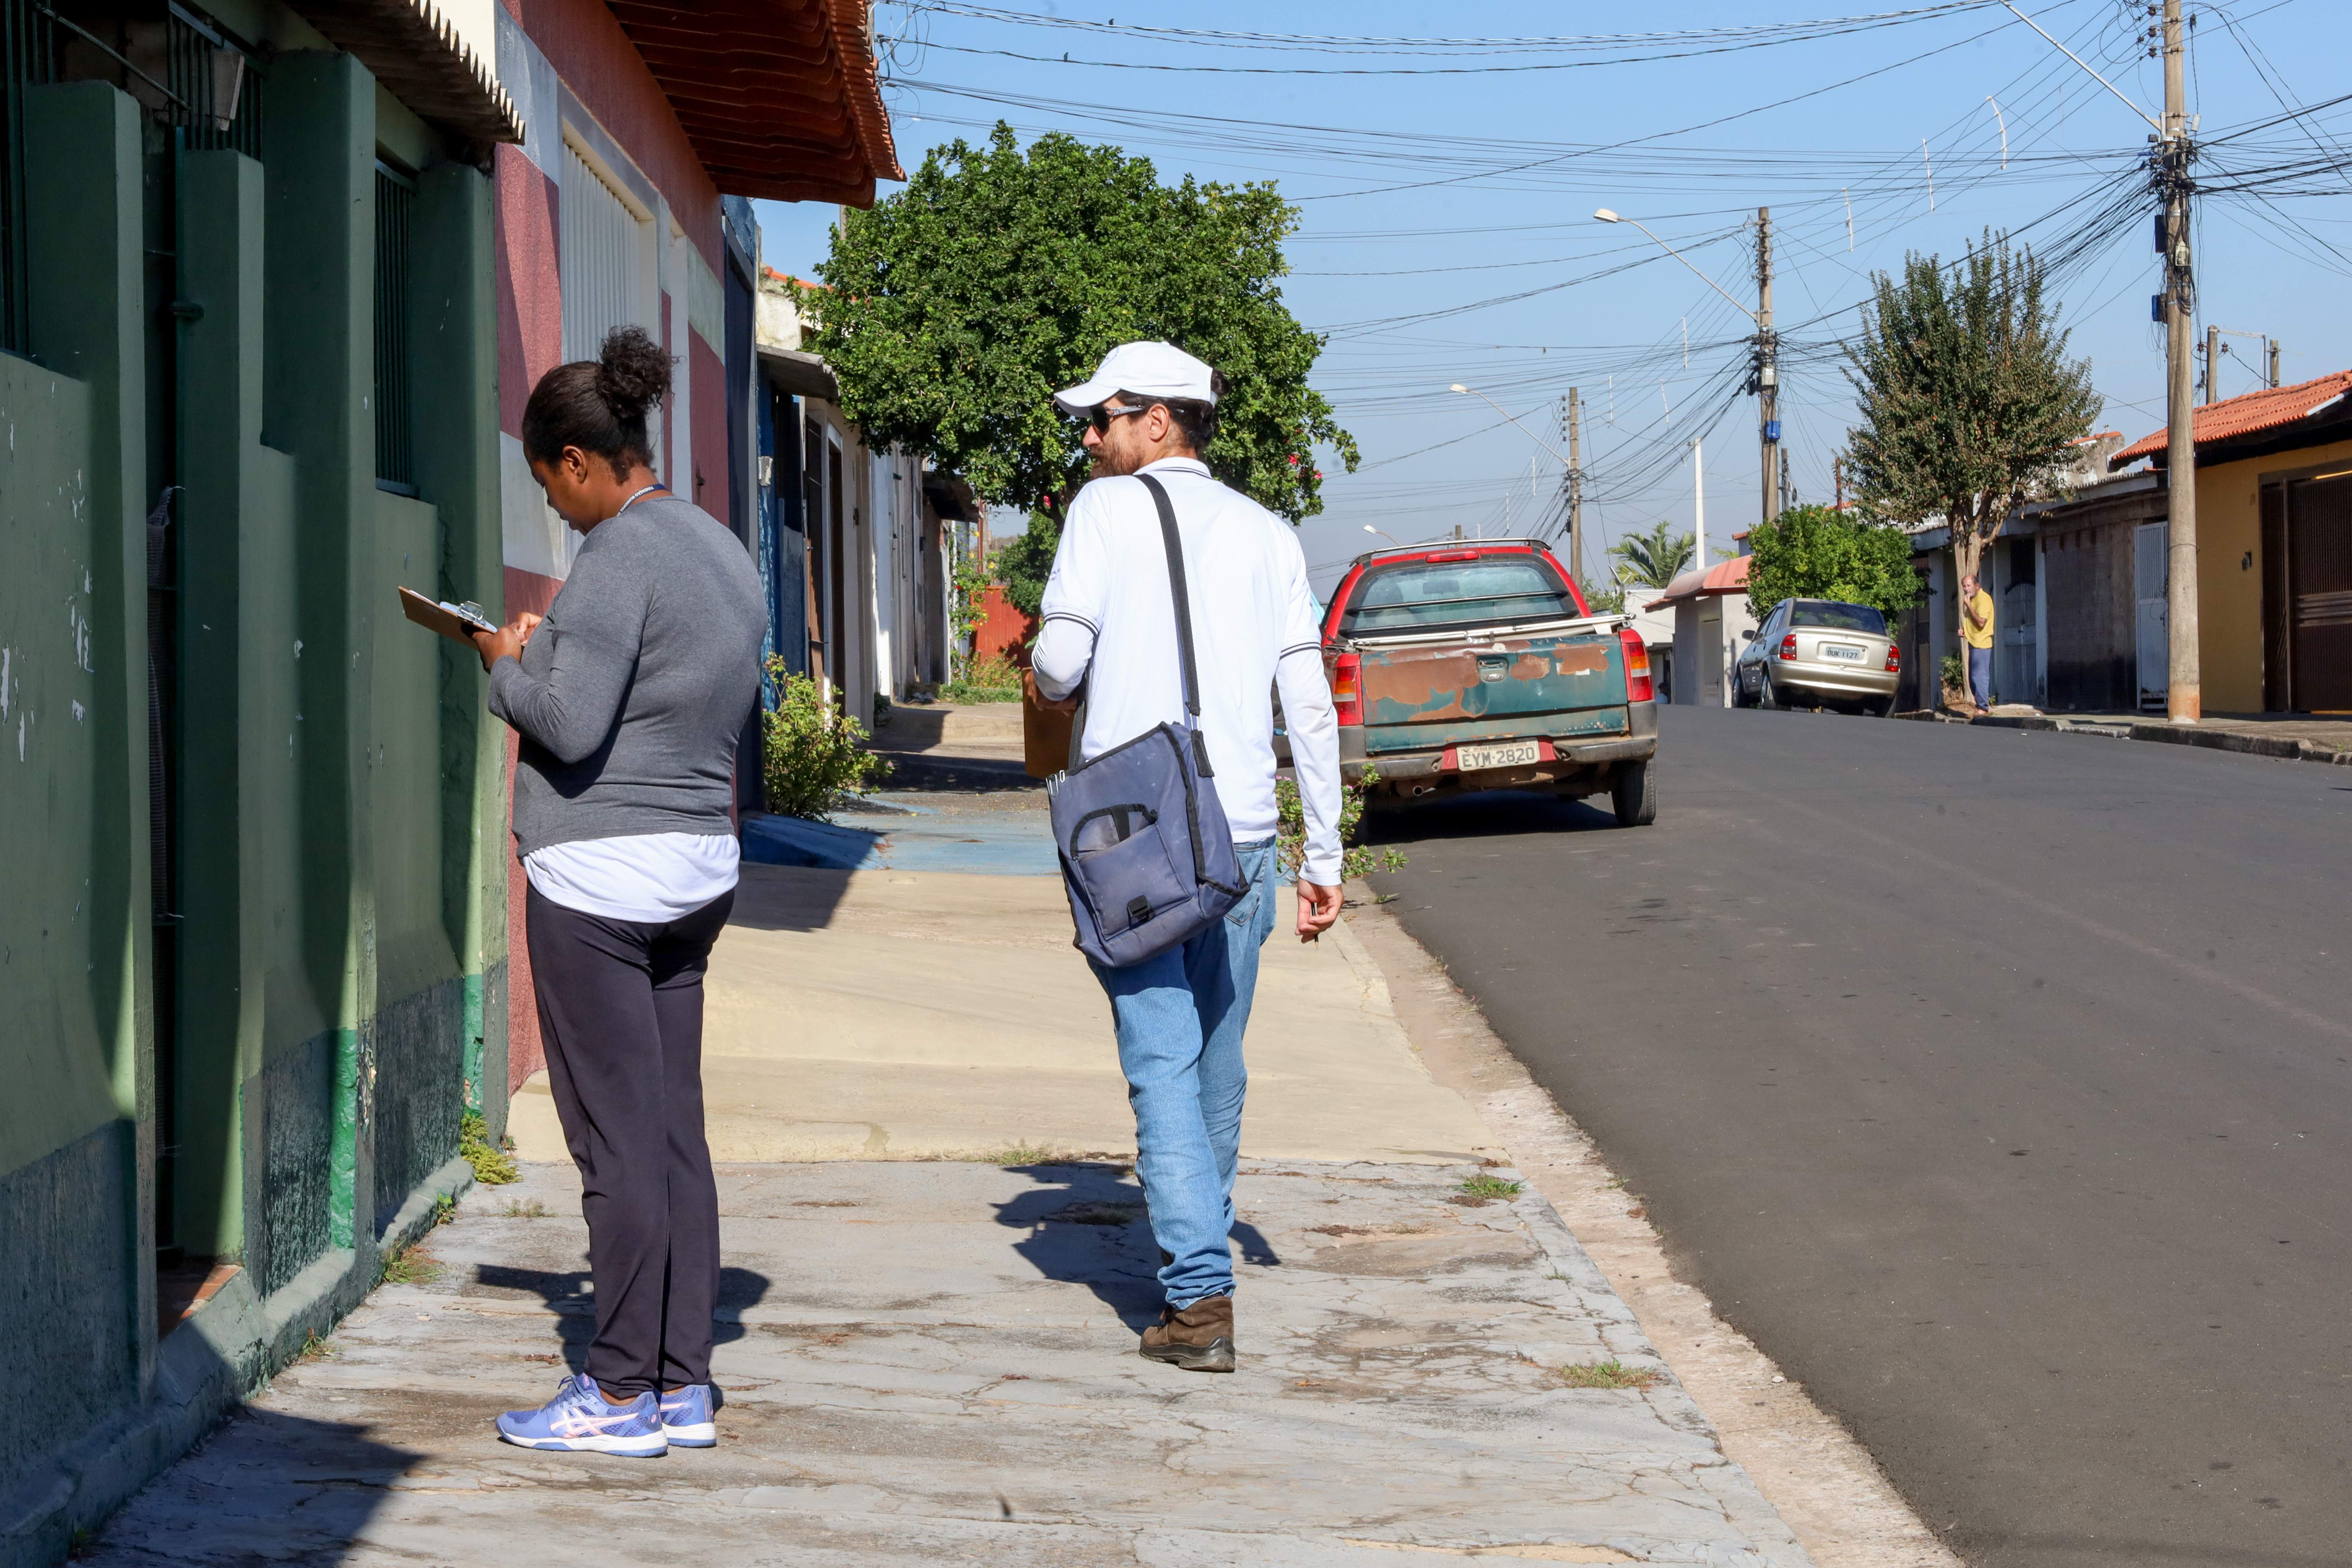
{"type": "Point", "coordinates": [2278, 748]}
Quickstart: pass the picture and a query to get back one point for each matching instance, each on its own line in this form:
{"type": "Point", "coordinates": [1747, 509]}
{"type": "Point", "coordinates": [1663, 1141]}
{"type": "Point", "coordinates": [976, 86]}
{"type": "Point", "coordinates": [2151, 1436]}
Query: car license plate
{"type": "Point", "coordinates": [1512, 754]}
{"type": "Point", "coordinates": [1840, 650]}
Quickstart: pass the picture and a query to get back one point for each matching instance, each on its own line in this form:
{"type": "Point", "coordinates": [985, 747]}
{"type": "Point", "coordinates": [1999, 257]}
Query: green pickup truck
{"type": "Point", "coordinates": [1474, 665]}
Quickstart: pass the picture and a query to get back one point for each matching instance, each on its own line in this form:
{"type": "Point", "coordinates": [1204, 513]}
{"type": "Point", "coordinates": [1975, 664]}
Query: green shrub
{"type": "Point", "coordinates": [493, 1166]}
{"type": "Point", "coordinates": [1290, 829]}
{"type": "Point", "coordinates": [813, 752]}
{"type": "Point", "coordinates": [1819, 553]}
{"type": "Point", "coordinates": [990, 678]}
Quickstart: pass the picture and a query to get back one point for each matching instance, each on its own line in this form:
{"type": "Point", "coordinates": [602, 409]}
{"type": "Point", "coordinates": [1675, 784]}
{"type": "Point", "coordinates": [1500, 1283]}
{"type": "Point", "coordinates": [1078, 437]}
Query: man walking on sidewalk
{"type": "Point", "coordinates": [1108, 623]}
{"type": "Point", "coordinates": [1976, 629]}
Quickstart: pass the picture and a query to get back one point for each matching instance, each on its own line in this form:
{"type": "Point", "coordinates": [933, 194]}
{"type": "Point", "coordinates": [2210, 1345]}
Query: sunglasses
{"type": "Point", "coordinates": [1102, 414]}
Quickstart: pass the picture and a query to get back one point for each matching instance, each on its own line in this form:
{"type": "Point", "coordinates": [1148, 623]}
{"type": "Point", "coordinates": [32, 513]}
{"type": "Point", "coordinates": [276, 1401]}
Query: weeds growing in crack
{"type": "Point", "coordinates": [411, 1265]}
{"type": "Point", "coordinates": [1482, 1187]}
{"type": "Point", "coordinates": [1610, 1373]}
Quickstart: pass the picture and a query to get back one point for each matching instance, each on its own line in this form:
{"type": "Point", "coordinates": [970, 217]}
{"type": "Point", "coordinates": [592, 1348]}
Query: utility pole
{"type": "Point", "coordinates": [1572, 413]}
{"type": "Point", "coordinates": [2185, 696]}
{"type": "Point", "coordinates": [2212, 361]}
{"type": "Point", "coordinates": [2275, 381]}
{"type": "Point", "coordinates": [1698, 505]}
{"type": "Point", "coordinates": [1767, 368]}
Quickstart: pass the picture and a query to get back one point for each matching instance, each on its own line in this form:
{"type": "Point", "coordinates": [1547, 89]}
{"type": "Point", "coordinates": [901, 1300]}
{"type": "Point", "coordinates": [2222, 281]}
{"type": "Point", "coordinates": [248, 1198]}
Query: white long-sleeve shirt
{"type": "Point", "coordinates": [1107, 620]}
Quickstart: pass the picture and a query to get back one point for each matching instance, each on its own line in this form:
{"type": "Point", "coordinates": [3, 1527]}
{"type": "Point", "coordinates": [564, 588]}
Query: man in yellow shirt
{"type": "Point", "coordinates": [1976, 629]}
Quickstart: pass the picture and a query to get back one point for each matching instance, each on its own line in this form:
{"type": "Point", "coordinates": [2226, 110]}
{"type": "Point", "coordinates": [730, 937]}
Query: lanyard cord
{"type": "Point", "coordinates": [633, 500]}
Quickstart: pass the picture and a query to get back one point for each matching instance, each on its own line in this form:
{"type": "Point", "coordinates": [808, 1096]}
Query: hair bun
{"type": "Point", "coordinates": [632, 374]}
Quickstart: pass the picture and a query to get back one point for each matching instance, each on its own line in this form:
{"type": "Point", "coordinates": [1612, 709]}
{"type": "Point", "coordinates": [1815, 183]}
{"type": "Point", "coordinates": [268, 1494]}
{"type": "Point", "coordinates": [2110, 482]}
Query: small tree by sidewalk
{"type": "Point", "coordinates": [813, 753]}
{"type": "Point", "coordinates": [1969, 404]}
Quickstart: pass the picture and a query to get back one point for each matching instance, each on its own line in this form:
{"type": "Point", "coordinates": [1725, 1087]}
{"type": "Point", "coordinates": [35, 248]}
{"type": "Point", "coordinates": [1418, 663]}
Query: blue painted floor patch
{"type": "Point", "coordinates": [992, 844]}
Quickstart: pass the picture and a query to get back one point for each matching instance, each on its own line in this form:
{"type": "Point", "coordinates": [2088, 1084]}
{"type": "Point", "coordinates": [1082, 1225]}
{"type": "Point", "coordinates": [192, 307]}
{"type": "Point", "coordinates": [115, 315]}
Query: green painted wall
{"type": "Point", "coordinates": [340, 985]}
{"type": "Point", "coordinates": [49, 939]}
{"type": "Point", "coordinates": [453, 347]}
{"type": "Point", "coordinates": [74, 1157]}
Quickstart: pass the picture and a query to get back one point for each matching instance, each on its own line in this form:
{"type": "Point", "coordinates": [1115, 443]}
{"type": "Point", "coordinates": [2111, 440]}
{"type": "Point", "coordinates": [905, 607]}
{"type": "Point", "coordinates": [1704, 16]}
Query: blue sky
{"type": "Point", "coordinates": [1447, 233]}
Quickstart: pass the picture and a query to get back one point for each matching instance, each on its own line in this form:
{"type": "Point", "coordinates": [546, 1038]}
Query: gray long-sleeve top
{"type": "Point", "coordinates": [631, 694]}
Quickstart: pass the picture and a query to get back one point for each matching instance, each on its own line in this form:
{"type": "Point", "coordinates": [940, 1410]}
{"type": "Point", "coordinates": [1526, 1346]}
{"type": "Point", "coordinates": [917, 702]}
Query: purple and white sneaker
{"type": "Point", "coordinates": [685, 1416]}
{"type": "Point", "coordinates": [579, 1418]}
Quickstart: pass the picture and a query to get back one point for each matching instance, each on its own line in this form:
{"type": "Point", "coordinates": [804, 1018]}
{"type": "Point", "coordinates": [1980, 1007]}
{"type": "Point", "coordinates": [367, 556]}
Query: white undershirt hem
{"type": "Point", "coordinates": [653, 878]}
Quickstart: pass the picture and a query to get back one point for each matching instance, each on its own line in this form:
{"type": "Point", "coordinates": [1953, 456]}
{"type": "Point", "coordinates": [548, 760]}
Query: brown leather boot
{"type": "Point", "coordinates": [1198, 1339]}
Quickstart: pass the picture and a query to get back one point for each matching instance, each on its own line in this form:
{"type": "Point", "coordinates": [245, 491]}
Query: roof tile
{"type": "Point", "coordinates": [2233, 418]}
{"type": "Point", "coordinates": [1723, 577]}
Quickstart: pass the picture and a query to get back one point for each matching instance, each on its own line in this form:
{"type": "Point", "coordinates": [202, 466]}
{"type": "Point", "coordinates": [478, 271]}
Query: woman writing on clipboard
{"type": "Point", "coordinates": [629, 697]}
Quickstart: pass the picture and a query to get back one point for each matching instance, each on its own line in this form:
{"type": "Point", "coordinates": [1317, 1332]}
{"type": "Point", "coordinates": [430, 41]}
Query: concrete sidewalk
{"type": "Point", "coordinates": [929, 1361]}
{"type": "Point", "coordinates": [946, 1016]}
{"type": "Point", "coordinates": [929, 1356]}
{"type": "Point", "coordinates": [2282, 737]}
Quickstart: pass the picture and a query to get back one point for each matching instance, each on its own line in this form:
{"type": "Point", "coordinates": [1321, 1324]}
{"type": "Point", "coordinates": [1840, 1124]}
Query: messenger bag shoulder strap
{"type": "Point", "coordinates": [1183, 620]}
{"type": "Point", "coordinates": [1176, 587]}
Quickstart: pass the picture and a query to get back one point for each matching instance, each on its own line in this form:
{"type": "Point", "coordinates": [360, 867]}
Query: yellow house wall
{"type": "Point", "coordinates": [2229, 572]}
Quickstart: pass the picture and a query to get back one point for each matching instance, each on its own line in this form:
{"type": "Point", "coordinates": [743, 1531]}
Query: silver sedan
{"type": "Point", "coordinates": [1819, 653]}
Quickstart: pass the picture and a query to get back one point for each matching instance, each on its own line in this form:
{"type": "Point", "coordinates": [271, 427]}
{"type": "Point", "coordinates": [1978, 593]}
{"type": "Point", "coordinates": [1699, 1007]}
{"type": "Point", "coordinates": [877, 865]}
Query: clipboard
{"type": "Point", "coordinates": [458, 623]}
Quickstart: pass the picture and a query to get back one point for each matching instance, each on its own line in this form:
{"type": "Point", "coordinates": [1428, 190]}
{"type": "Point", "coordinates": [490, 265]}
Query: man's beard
{"type": "Point", "coordinates": [1111, 464]}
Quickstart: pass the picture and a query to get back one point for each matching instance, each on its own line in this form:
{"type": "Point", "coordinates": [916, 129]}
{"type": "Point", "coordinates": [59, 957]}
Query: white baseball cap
{"type": "Point", "coordinates": [1146, 369]}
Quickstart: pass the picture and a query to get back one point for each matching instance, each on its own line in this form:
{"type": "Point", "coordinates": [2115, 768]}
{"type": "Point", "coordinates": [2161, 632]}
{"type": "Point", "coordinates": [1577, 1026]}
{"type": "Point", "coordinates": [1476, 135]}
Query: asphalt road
{"type": "Point", "coordinates": [1995, 1083]}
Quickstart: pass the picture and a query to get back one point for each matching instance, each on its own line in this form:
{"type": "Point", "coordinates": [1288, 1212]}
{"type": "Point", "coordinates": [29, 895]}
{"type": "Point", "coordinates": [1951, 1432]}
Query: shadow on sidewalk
{"type": "Point", "coordinates": [803, 900]}
{"type": "Point", "coordinates": [1087, 1226]}
{"type": "Point", "coordinates": [265, 1487]}
{"type": "Point", "coordinates": [567, 1296]}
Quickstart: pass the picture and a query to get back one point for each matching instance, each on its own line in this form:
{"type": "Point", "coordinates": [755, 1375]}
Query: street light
{"type": "Point", "coordinates": [1391, 538]}
{"type": "Point", "coordinates": [1605, 216]}
{"type": "Point", "coordinates": [1768, 375]}
{"type": "Point", "coordinates": [1574, 478]}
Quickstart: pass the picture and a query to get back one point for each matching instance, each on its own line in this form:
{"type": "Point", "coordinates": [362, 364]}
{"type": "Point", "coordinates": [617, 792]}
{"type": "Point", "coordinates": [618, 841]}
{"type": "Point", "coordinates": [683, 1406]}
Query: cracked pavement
{"type": "Point", "coordinates": [927, 1354]}
{"type": "Point", "coordinates": [927, 1362]}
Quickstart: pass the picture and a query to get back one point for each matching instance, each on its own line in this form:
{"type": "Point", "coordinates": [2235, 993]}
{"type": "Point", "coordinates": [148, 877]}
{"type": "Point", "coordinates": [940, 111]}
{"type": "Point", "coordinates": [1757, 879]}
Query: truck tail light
{"type": "Point", "coordinates": [1344, 671]}
{"type": "Point", "coordinates": [1789, 645]}
{"type": "Point", "coordinates": [1637, 666]}
{"type": "Point", "coordinates": [1894, 659]}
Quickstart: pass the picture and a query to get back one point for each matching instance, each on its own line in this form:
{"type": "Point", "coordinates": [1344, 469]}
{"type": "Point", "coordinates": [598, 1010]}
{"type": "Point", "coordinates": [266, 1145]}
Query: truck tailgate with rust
{"type": "Point", "coordinates": [1424, 696]}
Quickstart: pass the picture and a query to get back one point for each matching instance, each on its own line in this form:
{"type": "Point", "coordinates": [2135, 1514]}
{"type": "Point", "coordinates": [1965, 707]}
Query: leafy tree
{"type": "Point", "coordinates": [1654, 559]}
{"type": "Point", "coordinates": [1968, 402]}
{"type": "Point", "coordinates": [1815, 552]}
{"type": "Point", "coordinates": [956, 307]}
{"type": "Point", "coordinates": [1022, 565]}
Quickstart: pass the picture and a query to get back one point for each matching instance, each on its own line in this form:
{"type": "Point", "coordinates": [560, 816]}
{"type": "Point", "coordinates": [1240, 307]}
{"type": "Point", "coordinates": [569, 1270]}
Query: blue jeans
{"type": "Point", "coordinates": [1980, 674]}
{"type": "Point", "coordinates": [1179, 1018]}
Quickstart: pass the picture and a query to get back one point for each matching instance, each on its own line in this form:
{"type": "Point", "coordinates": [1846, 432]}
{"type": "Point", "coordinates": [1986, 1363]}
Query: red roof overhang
{"type": "Point", "coordinates": [2252, 414]}
{"type": "Point", "coordinates": [1723, 577]}
{"type": "Point", "coordinates": [779, 97]}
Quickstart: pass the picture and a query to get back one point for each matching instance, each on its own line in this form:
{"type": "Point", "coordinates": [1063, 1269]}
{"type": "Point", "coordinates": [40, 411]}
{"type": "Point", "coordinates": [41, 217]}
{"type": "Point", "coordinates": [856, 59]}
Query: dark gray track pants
{"type": "Point", "coordinates": [620, 1009]}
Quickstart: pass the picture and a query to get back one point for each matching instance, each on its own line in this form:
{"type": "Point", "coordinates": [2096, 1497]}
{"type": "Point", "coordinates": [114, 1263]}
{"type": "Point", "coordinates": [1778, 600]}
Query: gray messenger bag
{"type": "Point", "coordinates": [1146, 855]}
